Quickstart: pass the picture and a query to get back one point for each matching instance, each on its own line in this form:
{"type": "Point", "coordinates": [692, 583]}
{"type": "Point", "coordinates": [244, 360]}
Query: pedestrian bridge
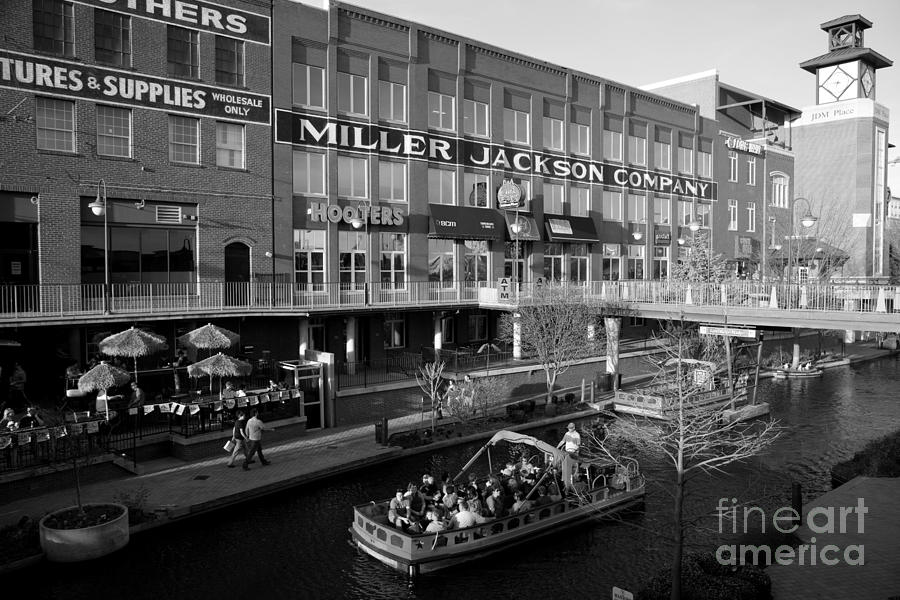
{"type": "Point", "coordinates": [811, 305]}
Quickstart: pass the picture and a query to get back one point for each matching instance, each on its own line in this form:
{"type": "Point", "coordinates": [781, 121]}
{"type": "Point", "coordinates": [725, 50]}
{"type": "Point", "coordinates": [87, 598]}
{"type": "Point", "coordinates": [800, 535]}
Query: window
{"type": "Point", "coordinates": [516, 126]}
{"type": "Point", "coordinates": [475, 118]}
{"type": "Point", "coordinates": [440, 262]}
{"type": "Point", "coordinates": [612, 138]}
{"type": "Point", "coordinates": [55, 124]}
{"type": "Point", "coordinates": [392, 101]}
{"type": "Point", "coordinates": [578, 263]}
{"type": "Point", "coordinates": [612, 205]}
{"type": "Point", "coordinates": [316, 333]}
{"type": "Point", "coordinates": [113, 131]}
{"type": "Point", "coordinates": [637, 143]}
{"type": "Point", "coordinates": [662, 149]}
{"type": "Point", "coordinates": [660, 262]}
{"type": "Point", "coordinates": [612, 268]}
{"type": "Point", "coordinates": [685, 212]}
{"type": "Point", "coordinates": [637, 208]}
{"type": "Point", "coordinates": [54, 27]}
{"type": "Point", "coordinates": [392, 181]}
{"type": "Point", "coordinates": [580, 139]}
{"type": "Point", "coordinates": [478, 327]}
{"type": "Point", "coordinates": [703, 214]}
{"type": "Point", "coordinates": [394, 332]}
{"type": "Point", "coordinates": [554, 257]}
{"type": "Point", "coordinates": [662, 210]}
{"type": "Point", "coordinates": [352, 94]}
{"type": "Point", "coordinates": [686, 154]}
{"type": "Point", "coordinates": [441, 111]}
{"type": "Point", "coordinates": [554, 196]}
{"type": "Point", "coordinates": [112, 38]}
{"type": "Point", "coordinates": [309, 173]}
{"type": "Point", "coordinates": [353, 177]}
{"type": "Point", "coordinates": [732, 166]}
{"type": "Point", "coordinates": [184, 52]}
{"type": "Point", "coordinates": [393, 260]}
{"type": "Point", "coordinates": [553, 133]}
{"type": "Point", "coordinates": [751, 216]}
{"type": "Point", "coordinates": [448, 330]}
{"type": "Point", "coordinates": [441, 186]}
{"type": "Point", "coordinates": [308, 86]}
{"type": "Point", "coordinates": [138, 254]}
{"type": "Point", "coordinates": [309, 259]}
{"type": "Point", "coordinates": [704, 159]}
{"type": "Point", "coordinates": [751, 170]}
{"type": "Point", "coordinates": [477, 253]}
{"type": "Point", "coordinates": [229, 145]}
{"type": "Point", "coordinates": [732, 215]}
{"type": "Point", "coordinates": [475, 191]}
{"type": "Point", "coordinates": [184, 140]}
{"type": "Point", "coordinates": [514, 256]}
{"type": "Point", "coordinates": [229, 61]}
{"type": "Point", "coordinates": [780, 184]}
{"type": "Point", "coordinates": [635, 262]}
{"type": "Point", "coordinates": [580, 201]}
{"type": "Point", "coordinates": [352, 246]}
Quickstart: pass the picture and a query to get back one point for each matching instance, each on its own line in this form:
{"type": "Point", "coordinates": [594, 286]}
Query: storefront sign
{"type": "Point", "coordinates": [662, 237]}
{"type": "Point", "coordinates": [73, 80]}
{"type": "Point", "coordinates": [509, 195]}
{"type": "Point", "coordinates": [465, 223]}
{"type": "Point", "coordinates": [322, 212]}
{"type": "Point", "coordinates": [572, 229]}
{"type": "Point", "coordinates": [559, 226]}
{"type": "Point", "coordinates": [524, 228]}
{"type": "Point", "coordinates": [351, 136]}
{"type": "Point", "coordinates": [736, 143]}
{"type": "Point", "coordinates": [197, 14]}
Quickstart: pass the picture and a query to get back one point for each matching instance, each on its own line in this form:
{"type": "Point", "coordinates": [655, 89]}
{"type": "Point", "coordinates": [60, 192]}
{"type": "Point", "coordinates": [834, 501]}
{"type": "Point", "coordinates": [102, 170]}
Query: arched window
{"type": "Point", "coordinates": [780, 189]}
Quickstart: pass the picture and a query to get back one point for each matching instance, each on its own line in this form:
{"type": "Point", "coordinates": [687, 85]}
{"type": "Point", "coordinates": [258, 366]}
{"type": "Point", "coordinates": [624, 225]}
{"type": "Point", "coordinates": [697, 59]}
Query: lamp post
{"type": "Point", "coordinates": [806, 221]}
{"type": "Point", "coordinates": [99, 208]}
{"type": "Point", "coordinates": [362, 220]}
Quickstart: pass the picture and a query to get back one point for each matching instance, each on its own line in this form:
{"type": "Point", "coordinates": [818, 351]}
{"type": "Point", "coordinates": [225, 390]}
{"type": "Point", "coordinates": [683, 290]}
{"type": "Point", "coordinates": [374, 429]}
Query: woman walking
{"type": "Point", "coordinates": [239, 437]}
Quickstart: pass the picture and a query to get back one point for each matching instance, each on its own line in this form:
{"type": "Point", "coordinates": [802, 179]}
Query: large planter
{"type": "Point", "coordinates": [84, 543]}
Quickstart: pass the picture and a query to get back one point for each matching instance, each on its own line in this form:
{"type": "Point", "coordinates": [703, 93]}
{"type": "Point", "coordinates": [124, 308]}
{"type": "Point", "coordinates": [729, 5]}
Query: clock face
{"type": "Point", "coordinates": [868, 81]}
{"type": "Point", "coordinates": [837, 83]}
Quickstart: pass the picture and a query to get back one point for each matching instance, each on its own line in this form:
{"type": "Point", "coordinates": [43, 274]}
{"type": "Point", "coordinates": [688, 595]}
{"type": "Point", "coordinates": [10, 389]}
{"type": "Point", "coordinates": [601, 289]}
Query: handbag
{"type": "Point", "coordinates": [229, 445]}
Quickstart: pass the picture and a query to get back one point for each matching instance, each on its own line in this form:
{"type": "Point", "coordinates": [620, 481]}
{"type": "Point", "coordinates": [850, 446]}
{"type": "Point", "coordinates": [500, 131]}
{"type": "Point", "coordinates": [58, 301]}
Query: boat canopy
{"type": "Point", "coordinates": [556, 457]}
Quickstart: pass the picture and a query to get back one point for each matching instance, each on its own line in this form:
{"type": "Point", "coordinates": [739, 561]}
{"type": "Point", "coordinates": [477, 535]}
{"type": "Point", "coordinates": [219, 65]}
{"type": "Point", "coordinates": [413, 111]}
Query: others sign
{"type": "Point", "coordinates": [75, 80]}
{"type": "Point", "coordinates": [729, 331]}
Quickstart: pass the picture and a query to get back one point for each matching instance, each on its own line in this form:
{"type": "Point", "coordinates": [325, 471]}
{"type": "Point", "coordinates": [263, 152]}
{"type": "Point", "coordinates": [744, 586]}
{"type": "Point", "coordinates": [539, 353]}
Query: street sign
{"type": "Point", "coordinates": [620, 594]}
{"type": "Point", "coordinates": [504, 289]}
{"type": "Point", "coordinates": [730, 331]}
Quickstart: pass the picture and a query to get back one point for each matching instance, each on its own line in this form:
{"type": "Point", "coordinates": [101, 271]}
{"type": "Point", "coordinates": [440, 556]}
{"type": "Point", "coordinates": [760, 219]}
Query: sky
{"type": "Point", "coordinates": [754, 45]}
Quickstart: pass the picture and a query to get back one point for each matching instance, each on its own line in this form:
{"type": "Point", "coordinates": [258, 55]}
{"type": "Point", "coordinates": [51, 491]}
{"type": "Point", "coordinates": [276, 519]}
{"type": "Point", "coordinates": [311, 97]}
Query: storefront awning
{"type": "Point", "coordinates": [464, 223]}
{"type": "Point", "coordinates": [571, 229]}
{"type": "Point", "coordinates": [527, 229]}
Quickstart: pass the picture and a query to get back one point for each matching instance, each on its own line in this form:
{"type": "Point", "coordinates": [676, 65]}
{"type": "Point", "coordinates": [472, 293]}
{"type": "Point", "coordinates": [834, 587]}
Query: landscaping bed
{"type": "Point", "coordinates": [879, 458]}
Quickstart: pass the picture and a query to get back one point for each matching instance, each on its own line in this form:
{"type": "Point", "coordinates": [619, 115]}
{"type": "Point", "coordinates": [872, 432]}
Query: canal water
{"type": "Point", "coordinates": [295, 544]}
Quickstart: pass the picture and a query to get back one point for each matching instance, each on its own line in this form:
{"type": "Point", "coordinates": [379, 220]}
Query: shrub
{"type": "Point", "coordinates": [880, 458]}
{"type": "Point", "coordinates": [702, 577]}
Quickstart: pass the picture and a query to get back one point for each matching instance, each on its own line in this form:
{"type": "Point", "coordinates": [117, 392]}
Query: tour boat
{"type": "Point", "coordinates": [611, 487]}
{"type": "Point", "coordinates": [797, 373]}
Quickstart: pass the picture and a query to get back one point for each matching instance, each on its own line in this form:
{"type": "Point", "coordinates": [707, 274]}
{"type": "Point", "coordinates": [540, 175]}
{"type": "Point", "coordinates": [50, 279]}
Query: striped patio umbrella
{"type": "Point", "coordinates": [133, 342]}
{"type": "Point", "coordinates": [101, 378]}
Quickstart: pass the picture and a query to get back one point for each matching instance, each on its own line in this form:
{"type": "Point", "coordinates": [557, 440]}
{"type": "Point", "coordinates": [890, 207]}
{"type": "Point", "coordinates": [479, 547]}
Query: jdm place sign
{"type": "Point", "coordinates": [729, 331]}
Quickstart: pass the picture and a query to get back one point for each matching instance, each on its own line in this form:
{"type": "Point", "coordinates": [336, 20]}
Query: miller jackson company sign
{"type": "Point", "coordinates": [53, 77]}
{"type": "Point", "coordinates": [310, 130]}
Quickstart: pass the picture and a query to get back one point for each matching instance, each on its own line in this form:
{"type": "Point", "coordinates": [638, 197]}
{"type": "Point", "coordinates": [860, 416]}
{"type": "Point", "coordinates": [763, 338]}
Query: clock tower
{"type": "Point", "coordinates": [841, 148]}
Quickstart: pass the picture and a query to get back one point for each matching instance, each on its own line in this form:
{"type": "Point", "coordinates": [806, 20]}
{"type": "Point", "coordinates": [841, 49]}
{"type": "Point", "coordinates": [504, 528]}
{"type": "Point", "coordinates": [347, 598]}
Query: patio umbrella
{"type": "Point", "coordinates": [101, 378]}
{"type": "Point", "coordinates": [209, 336]}
{"type": "Point", "coordinates": [219, 365]}
{"type": "Point", "coordinates": [133, 342]}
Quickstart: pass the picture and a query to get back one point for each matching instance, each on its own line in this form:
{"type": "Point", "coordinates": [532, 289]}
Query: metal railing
{"type": "Point", "coordinates": [399, 367]}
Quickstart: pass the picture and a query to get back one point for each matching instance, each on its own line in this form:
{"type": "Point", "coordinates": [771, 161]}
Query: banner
{"type": "Point", "coordinates": [54, 77]}
{"type": "Point", "coordinates": [302, 129]}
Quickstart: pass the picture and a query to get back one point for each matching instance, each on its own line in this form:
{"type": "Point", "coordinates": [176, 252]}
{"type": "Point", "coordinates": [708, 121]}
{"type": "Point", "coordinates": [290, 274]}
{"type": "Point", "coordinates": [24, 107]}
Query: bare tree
{"type": "Point", "coordinates": [555, 325]}
{"type": "Point", "coordinates": [692, 439]}
{"type": "Point", "coordinates": [430, 378]}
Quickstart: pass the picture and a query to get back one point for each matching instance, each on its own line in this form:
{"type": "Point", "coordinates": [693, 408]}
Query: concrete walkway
{"type": "Point", "coordinates": [876, 533]}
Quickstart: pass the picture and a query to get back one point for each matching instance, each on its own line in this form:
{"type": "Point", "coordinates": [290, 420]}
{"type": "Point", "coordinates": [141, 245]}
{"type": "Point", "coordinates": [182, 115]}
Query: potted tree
{"type": "Point", "coordinates": [86, 530]}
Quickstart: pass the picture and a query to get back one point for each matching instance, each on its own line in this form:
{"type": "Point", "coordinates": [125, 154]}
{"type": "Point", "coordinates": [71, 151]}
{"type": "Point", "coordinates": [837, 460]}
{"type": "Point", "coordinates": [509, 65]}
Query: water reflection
{"type": "Point", "coordinates": [295, 544]}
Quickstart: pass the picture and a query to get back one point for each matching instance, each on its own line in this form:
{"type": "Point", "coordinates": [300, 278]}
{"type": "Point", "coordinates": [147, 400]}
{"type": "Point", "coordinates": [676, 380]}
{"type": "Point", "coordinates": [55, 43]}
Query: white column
{"type": "Point", "coordinates": [438, 335]}
{"type": "Point", "coordinates": [303, 326]}
{"type": "Point", "coordinates": [350, 346]}
{"type": "Point", "coordinates": [517, 339]}
{"type": "Point", "coordinates": [613, 326]}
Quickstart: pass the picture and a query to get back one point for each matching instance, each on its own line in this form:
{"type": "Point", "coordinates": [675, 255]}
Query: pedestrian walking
{"type": "Point", "coordinates": [254, 430]}
{"type": "Point", "coordinates": [239, 438]}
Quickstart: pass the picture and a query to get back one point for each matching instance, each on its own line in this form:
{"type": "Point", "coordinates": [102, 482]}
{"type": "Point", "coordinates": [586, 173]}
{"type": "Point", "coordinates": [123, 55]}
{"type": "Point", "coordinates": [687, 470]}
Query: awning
{"type": "Point", "coordinates": [464, 223]}
{"type": "Point", "coordinates": [571, 229]}
{"type": "Point", "coordinates": [527, 229]}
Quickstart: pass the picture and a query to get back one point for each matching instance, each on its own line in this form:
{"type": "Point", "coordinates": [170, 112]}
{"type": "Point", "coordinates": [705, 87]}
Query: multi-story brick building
{"type": "Point", "coordinates": [136, 153]}
{"type": "Point", "coordinates": [401, 144]}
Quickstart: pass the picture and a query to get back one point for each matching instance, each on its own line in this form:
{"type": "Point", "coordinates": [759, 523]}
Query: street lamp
{"type": "Point", "coordinates": [806, 221]}
{"type": "Point", "coordinates": [362, 220]}
{"type": "Point", "coordinates": [99, 208]}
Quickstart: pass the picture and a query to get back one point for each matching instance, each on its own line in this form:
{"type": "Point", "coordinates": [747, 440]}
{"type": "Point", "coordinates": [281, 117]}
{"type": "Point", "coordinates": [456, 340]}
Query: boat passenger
{"type": "Point", "coordinates": [494, 505]}
{"type": "Point", "coordinates": [553, 492]}
{"type": "Point", "coordinates": [464, 518]}
{"type": "Point", "coordinates": [428, 488]}
{"type": "Point", "coordinates": [416, 510]}
{"type": "Point", "coordinates": [451, 497]}
{"type": "Point", "coordinates": [474, 500]}
{"type": "Point", "coordinates": [397, 509]}
{"type": "Point", "coordinates": [542, 497]}
{"type": "Point", "coordinates": [435, 523]}
{"type": "Point", "coordinates": [521, 505]}
{"type": "Point", "coordinates": [509, 470]}
{"type": "Point", "coordinates": [580, 486]}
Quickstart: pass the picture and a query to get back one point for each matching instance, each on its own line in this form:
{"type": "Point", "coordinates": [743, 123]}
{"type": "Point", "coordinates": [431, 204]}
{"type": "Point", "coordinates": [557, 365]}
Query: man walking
{"type": "Point", "coordinates": [255, 427]}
